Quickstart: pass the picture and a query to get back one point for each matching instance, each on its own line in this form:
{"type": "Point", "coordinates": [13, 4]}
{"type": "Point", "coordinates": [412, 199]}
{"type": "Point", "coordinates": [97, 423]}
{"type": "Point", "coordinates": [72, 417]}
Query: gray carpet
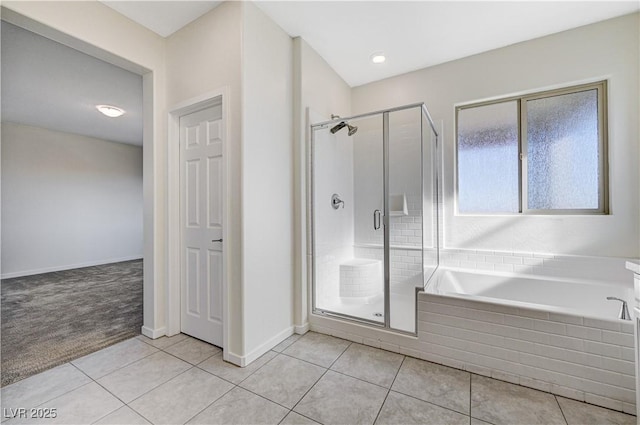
{"type": "Point", "coordinates": [52, 318]}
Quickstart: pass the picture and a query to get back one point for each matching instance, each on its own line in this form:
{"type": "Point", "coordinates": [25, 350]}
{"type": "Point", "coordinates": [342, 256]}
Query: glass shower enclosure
{"type": "Point", "coordinates": [374, 215]}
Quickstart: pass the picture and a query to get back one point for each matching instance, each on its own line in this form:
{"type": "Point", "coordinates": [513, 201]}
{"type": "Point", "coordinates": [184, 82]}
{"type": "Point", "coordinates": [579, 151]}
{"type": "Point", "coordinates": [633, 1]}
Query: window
{"type": "Point", "coordinates": [543, 153]}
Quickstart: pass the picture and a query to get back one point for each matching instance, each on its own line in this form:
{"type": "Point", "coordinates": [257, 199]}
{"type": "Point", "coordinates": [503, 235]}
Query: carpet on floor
{"type": "Point", "coordinates": [52, 318]}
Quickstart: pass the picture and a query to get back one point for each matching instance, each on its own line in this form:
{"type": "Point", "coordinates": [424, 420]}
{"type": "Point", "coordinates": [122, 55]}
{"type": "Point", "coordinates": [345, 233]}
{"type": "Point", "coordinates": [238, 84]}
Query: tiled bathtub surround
{"type": "Point", "coordinates": [576, 357]}
{"type": "Point", "coordinates": [604, 269]}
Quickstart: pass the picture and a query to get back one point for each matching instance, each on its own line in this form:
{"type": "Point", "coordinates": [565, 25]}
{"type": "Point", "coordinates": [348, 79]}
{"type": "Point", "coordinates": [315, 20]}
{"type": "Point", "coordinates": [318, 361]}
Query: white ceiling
{"type": "Point", "coordinates": [49, 85]}
{"type": "Point", "coordinates": [418, 34]}
{"type": "Point", "coordinates": [413, 34]}
{"type": "Point", "coordinates": [162, 17]}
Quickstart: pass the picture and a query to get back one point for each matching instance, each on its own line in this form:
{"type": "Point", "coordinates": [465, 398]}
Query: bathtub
{"type": "Point", "coordinates": [556, 335]}
{"type": "Point", "coordinates": [575, 297]}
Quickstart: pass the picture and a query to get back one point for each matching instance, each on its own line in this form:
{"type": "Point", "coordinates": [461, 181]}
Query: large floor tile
{"type": "Point", "coordinates": [284, 380]}
{"type": "Point", "coordinates": [178, 400]}
{"type": "Point", "coordinates": [294, 418]}
{"type": "Point", "coordinates": [318, 349]}
{"type": "Point", "coordinates": [578, 413]}
{"type": "Point", "coordinates": [240, 406]}
{"type": "Point", "coordinates": [402, 409]}
{"type": "Point", "coordinates": [83, 405]}
{"type": "Point", "coordinates": [123, 416]}
{"type": "Point", "coordinates": [341, 399]}
{"type": "Point", "coordinates": [500, 402]}
{"type": "Point", "coordinates": [193, 350]}
{"type": "Point", "coordinates": [286, 343]}
{"type": "Point", "coordinates": [105, 361]}
{"type": "Point", "coordinates": [369, 364]}
{"type": "Point", "coordinates": [229, 371]}
{"type": "Point", "coordinates": [441, 385]}
{"type": "Point", "coordinates": [164, 341]}
{"type": "Point", "coordinates": [132, 381]}
{"type": "Point", "coordinates": [37, 389]}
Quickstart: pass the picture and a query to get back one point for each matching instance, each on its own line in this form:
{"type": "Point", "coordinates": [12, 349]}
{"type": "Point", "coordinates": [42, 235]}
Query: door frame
{"type": "Point", "coordinates": [37, 21]}
{"type": "Point", "coordinates": [173, 301]}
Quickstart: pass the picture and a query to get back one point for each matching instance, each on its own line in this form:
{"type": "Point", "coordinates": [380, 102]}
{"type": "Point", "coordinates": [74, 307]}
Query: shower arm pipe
{"type": "Point", "coordinates": [369, 114]}
{"type": "Point", "coordinates": [425, 111]}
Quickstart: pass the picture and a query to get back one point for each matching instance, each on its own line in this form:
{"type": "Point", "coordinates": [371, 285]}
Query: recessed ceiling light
{"type": "Point", "coordinates": [110, 111]}
{"type": "Point", "coordinates": [378, 57]}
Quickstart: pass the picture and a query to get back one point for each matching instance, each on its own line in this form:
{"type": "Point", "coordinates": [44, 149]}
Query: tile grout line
{"type": "Point", "coordinates": [307, 392]}
{"type": "Point", "coordinates": [470, 394]}
{"type": "Point", "coordinates": [560, 407]}
{"type": "Point", "coordinates": [318, 380]}
{"type": "Point", "coordinates": [232, 383]}
{"type": "Point", "coordinates": [100, 385]}
{"type": "Point", "coordinates": [209, 405]}
{"type": "Point", "coordinates": [64, 393]}
{"type": "Point", "coordinates": [159, 385]}
{"type": "Point", "coordinates": [70, 363]}
{"type": "Point", "coordinates": [389, 390]}
{"type": "Point", "coordinates": [434, 404]}
{"type": "Point", "coordinates": [118, 368]}
{"type": "Point", "coordinates": [252, 373]}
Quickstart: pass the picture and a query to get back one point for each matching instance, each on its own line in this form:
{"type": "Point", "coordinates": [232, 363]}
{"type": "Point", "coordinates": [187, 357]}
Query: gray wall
{"type": "Point", "coordinates": [67, 201]}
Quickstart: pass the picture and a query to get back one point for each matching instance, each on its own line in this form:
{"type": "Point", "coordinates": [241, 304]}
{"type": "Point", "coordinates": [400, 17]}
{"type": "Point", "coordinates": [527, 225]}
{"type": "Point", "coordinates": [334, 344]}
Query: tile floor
{"type": "Point", "coordinates": [304, 380]}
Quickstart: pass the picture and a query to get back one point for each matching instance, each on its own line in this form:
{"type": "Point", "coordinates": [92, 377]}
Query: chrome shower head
{"type": "Point", "coordinates": [341, 125]}
{"type": "Point", "coordinates": [338, 127]}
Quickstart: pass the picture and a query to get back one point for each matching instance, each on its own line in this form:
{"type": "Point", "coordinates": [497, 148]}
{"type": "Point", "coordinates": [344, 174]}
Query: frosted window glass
{"type": "Point", "coordinates": [563, 152]}
{"type": "Point", "coordinates": [488, 158]}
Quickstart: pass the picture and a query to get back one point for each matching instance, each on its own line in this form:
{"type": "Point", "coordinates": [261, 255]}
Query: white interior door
{"type": "Point", "coordinates": [201, 206]}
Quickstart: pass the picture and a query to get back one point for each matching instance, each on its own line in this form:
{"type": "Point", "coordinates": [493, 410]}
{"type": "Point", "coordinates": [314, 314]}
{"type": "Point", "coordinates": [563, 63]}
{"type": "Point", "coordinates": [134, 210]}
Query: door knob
{"type": "Point", "coordinates": [217, 240]}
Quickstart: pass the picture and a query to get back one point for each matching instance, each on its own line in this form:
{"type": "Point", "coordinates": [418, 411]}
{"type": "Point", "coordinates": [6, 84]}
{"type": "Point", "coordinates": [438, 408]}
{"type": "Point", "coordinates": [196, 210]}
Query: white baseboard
{"type": "Point", "coordinates": [301, 329]}
{"type": "Point", "coordinates": [245, 360]}
{"type": "Point", "coordinates": [67, 267]}
{"type": "Point", "coordinates": [230, 357]}
{"type": "Point", "coordinates": [153, 333]}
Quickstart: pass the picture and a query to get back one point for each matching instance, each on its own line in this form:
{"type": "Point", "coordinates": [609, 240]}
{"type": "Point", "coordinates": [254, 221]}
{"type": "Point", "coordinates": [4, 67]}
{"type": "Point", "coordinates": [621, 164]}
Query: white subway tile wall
{"type": "Point", "coordinates": [361, 279]}
{"type": "Point", "coordinates": [606, 269]}
{"type": "Point", "coordinates": [405, 263]}
{"type": "Point", "coordinates": [406, 230]}
{"type": "Point", "coordinates": [328, 272]}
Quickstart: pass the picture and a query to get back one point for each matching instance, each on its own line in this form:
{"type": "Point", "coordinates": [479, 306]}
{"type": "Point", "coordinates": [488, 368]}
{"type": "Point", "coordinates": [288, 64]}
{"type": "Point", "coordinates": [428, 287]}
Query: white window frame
{"type": "Point", "coordinates": [521, 104]}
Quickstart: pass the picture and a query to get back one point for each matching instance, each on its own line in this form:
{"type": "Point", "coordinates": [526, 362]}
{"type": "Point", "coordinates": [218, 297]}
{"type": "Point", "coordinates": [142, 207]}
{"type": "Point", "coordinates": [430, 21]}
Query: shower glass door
{"type": "Point", "coordinates": [404, 177]}
{"type": "Point", "coordinates": [348, 213]}
{"type": "Point", "coordinates": [373, 211]}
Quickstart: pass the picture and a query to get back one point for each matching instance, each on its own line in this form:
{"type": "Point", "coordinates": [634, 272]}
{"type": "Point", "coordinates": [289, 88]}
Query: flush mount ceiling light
{"type": "Point", "coordinates": [378, 57]}
{"type": "Point", "coordinates": [110, 111]}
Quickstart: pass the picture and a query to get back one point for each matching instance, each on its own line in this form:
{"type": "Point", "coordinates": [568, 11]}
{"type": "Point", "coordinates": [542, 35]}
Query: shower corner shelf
{"type": "Point", "coordinates": [398, 205]}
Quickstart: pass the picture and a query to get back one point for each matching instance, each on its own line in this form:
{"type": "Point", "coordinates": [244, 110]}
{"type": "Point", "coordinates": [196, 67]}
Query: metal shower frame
{"type": "Point", "coordinates": [386, 246]}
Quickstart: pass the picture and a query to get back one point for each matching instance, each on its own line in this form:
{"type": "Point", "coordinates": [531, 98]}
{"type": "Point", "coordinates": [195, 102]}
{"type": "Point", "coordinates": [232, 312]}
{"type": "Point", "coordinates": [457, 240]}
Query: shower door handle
{"type": "Point", "coordinates": [376, 219]}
